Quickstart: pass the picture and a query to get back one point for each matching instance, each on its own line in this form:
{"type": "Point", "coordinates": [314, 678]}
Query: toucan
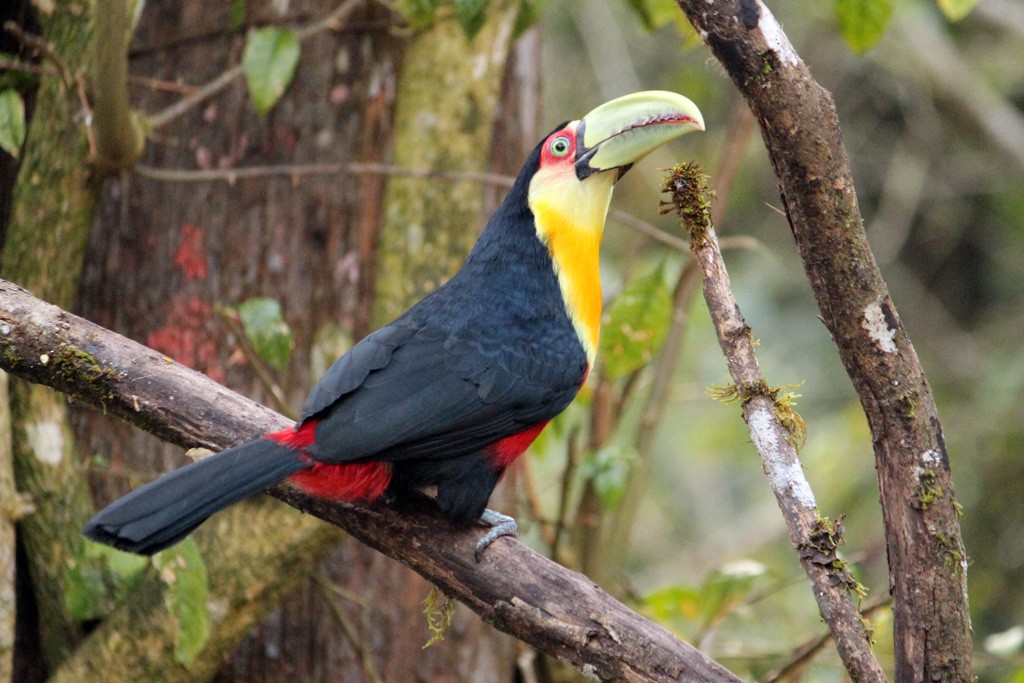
{"type": "Point", "coordinates": [448, 395]}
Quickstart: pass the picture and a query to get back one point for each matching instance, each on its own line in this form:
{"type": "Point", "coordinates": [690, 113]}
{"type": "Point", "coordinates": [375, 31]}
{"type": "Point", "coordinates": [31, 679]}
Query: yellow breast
{"type": "Point", "coordinates": [570, 218]}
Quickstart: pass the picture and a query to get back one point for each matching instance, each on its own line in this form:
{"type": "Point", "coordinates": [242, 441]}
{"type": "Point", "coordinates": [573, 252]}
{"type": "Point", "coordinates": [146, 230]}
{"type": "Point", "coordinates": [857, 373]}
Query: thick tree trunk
{"type": "Point", "coordinates": [10, 508]}
{"type": "Point", "coordinates": [54, 188]}
{"type": "Point", "coordinates": [171, 253]}
{"type": "Point", "coordinates": [800, 127]}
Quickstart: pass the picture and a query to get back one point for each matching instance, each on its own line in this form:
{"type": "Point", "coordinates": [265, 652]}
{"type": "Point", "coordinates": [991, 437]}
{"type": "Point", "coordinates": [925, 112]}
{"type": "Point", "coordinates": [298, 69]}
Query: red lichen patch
{"type": "Point", "coordinates": [191, 255]}
{"type": "Point", "coordinates": [184, 337]}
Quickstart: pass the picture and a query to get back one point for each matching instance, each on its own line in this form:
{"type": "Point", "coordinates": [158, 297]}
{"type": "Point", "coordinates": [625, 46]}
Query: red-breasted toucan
{"type": "Point", "coordinates": [456, 388]}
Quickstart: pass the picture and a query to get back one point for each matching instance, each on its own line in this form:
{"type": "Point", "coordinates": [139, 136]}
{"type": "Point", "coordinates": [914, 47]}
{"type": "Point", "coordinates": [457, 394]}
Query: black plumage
{"type": "Point", "coordinates": [490, 354]}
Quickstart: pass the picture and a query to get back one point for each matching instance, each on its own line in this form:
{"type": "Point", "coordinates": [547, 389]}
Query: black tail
{"type": "Point", "coordinates": [164, 511]}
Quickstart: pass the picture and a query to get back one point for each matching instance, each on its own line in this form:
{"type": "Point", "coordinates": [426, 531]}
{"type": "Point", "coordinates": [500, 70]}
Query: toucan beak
{"type": "Point", "coordinates": [621, 132]}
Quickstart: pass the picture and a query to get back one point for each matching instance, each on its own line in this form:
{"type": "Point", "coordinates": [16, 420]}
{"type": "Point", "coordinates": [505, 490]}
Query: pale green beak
{"type": "Point", "coordinates": [621, 132]}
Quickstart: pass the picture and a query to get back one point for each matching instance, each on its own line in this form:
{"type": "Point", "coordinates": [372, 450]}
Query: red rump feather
{"type": "Point", "coordinates": [336, 481]}
{"type": "Point", "coordinates": [508, 449]}
{"type": "Point", "coordinates": [347, 481]}
{"type": "Point", "coordinates": [296, 439]}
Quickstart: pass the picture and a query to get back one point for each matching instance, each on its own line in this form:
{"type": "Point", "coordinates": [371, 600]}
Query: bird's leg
{"type": "Point", "coordinates": [501, 525]}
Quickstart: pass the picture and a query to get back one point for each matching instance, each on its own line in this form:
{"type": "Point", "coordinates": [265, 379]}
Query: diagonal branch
{"type": "Point", "coordinates": [776, 432]}
{"type": "Point", "coordinates": [800, 127]}
{"type": "Point", "coordinates": [514, 589]}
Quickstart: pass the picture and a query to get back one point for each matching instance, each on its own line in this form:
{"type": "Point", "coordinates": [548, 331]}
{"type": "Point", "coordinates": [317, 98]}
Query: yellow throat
{"type": "Point", "coordinates": [570, 217]}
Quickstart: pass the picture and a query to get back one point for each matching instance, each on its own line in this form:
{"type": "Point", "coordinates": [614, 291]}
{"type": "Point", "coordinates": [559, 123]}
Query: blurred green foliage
{"type": "Point", "coordinates": [12, 121]}
{"type": "Point", "coordinates": [267, 331]}
{"type": "Point", "coordinates": [100, 579]}
{"type": "Point", "coordinates": [182, 570]}
{"type": "Point", "coordinates": [635, 324]}
{"type": "Point", "coordinates": [268, 62]}
{"type": "Point", "coordinates": [932, 118]}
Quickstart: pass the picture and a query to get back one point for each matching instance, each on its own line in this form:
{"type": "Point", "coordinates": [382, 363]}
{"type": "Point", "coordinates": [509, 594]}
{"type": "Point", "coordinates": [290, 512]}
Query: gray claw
{"type": "Point", "coordinates": [501, 525]}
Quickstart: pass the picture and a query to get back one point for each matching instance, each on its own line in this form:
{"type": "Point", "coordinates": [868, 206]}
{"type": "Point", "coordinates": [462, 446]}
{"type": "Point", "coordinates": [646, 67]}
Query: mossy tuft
{"type": "Point", "coordinates": [439, 615]}
{"type": "Point", "coordinates": [691, 199]}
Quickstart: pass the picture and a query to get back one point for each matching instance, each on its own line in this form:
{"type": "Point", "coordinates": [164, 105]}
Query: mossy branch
{"type": "Point", "coordinates": [513, 588]}
{"type": "Point", "coordinates": [800, 128]}
{"type": "Point", "coordinates": [118, 131]}
{"type": "Point", "coordinates": [774, 427]}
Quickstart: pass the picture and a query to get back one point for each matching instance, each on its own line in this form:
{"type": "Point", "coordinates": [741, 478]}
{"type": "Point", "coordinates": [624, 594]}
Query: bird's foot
{"type": "Point", "coordinates": [501, 525]}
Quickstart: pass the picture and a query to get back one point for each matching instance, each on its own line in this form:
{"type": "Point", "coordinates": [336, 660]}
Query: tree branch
{"type": "Point", "coordinates": [774, 431]}
{"type": "Point", "coordinates": [513, 588]}
{"type": "Point", "coordinates": [118, 132]}
{"type": "Point", "coordinates": [356, 168]}
{"type": "Point", "coordinates": [800, 127]}
{"type": "Point", "coordinates": [204, 92]}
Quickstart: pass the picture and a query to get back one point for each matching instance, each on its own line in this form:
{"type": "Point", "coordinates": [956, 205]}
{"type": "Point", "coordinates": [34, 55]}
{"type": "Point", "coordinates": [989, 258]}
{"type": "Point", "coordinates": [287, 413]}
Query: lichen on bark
{"type": "Point", "coordinates": [52, 210]}
{"type": "Point", "coordinates": [429, 225]}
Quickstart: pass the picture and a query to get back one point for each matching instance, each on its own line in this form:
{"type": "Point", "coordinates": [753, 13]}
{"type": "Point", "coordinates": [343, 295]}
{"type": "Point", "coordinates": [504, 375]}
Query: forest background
{"type": "Point", "coordinates": [261, 281]}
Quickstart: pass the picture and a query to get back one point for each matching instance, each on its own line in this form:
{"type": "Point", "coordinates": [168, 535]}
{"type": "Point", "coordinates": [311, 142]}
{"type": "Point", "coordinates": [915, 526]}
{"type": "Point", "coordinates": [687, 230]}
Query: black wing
{"type": "Point", "coordinates": [412, 391]}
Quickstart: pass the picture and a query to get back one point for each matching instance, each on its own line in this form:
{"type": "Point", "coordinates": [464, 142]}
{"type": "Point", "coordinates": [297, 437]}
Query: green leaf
{"type": "Point", "coordinates": [863, 22]}
{"type": "Point", "coordinates": [268, 62]}
{"type": "Point", "coordinates": [99, 579]}
{"type": "Point", "coordinates": [471, 15]}
{"type": "Point", "coordinates": [183, 571]}
{"type": "Point", "coordinates": [608, 468]}
{"type": "Point", "coordinates": [720, 595]}
{"type": "Point", "coordinates": [418, 13]}
{"type": "Point", "coordinates": [654, 14]}
{"type": "Point", "coordinates": [955, 10]}
{"type": "Point", "coordinates": [727, 588]}
{"type": "Point", "coordinates": [635, 325]}
{"type": "Point", "coordinates": [236, 14]}
{"type": "Point", "coordinates": [528, 14]}
{"type": "Point", "coordinates": [267, 331]}
{"type": "Point", "coordinates": [673, 602]}
{"type": "Point", "coordinates": [12, 121]}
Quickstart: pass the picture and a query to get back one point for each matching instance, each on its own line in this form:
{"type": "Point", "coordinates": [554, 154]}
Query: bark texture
{"type": "Point", "coordinates": [248, 575]}
{"type": "Point", "coordinates": [55, 188]}
{"type": "Point", "coordinates": [10, 509]}
{"type": "Point", "coordinates": [167, 255]}
{"type": "Point", "coordinates": [512, 588]}
{"type": "Point", "coordinates": [927, 560]}
{"type": "Point", "coordinates": [776, 432]}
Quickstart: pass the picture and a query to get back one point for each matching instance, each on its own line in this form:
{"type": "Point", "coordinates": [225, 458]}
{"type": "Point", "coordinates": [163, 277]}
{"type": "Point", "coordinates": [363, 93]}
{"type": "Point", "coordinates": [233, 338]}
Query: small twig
{"type": "Point", "coordinates": [193, 99]}
{"type": "Point", "coordinates": [161, 84]}
{"type": "Point", "coordinates": [642, 226]}
{"type": "Point", "coordinates": [534, 503]}
{"type": "Point", "coordinates": [14, 64]}
{"type": "Point", "coordinates": [38, 45]}
{"type": "Point", "coordinates": [571, 462]}
{"type": "Point", "coordinates": [805, 653]}
{"type": "Point", "coordinates": [83, 98]}
{"type": "Point", "coordinates": [8, 63]}
{"type": "Point", "coordinates": [233, 175]}
{"type": "Point", "coordinates": [741, 126]}
{"type": "Point", "coordinates": [815, 537]}
{"type": "Point", "coordinates": [204, 92]}
{"type": "Point", "coordinates": [352, 635]}
{"type": "Point", "coordinates": [263, 373]}
{"type": "Point", "coordinates": [356, 168]}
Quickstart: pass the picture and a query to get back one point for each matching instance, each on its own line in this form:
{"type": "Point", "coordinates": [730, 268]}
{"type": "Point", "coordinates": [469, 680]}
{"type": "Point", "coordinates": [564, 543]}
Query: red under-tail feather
{"type": "Point", "coordinates": [337, 481]}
